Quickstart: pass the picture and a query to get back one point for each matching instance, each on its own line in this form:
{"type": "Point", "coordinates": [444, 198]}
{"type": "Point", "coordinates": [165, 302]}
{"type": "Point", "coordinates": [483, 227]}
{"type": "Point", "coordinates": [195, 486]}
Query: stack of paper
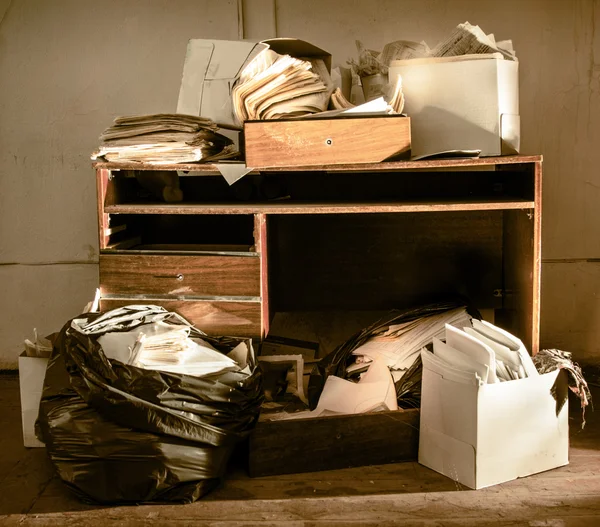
{"type": "Point", "coordinates": [399, 345]}
{"type": "Point", "coordinates": [164, 139]}
{"type": "Point", "coordinates": [149, 337]}
{"type": "Point", "coordinates": [273, 86]}
{"type": "Point", "coordinates": [483, 353]}
{"type": "Point", "coordinates": [175, 352]}
{"type": "Point", "coordinates": [467, 39]}
{"type": "Point", "coordinates": [339, 102]}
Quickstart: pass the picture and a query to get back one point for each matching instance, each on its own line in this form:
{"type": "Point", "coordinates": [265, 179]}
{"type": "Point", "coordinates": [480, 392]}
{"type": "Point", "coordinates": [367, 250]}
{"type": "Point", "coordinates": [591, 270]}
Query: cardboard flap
{"type": "Point", "coordinates": [228, 56]}
{"type": "Point", "coordinates": [510, 133]}
{"type": "Point", "coordinates": [447, 455]}
{"type": "Point", "coordinates": [298, 48]}
{"type": "Point", "coordinates": [449, 406]}
{"type": "Point", "coordinates": [509, 406]}
{"type": "Point", "coordinates": [209, 68]}
{"type": "Point", "coordinates": [197, 59]}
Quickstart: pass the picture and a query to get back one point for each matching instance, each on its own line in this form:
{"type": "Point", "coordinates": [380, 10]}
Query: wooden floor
{"type": "Point", "coordinates": [405, 493]}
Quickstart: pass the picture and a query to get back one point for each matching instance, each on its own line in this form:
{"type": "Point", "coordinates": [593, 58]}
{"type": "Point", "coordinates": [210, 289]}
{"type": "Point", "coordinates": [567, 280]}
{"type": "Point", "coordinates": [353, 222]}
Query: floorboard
{"type": "Point", "coordinates": [403, 493]}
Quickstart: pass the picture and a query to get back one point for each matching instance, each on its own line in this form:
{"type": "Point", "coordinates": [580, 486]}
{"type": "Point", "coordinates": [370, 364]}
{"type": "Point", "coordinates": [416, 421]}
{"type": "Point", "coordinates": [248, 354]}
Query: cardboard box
{"type": "Point", "coordinates": [326, 141]}
{"type": "Point", "coordinates": [211, 67]}
{"type": "Point", "coordinates": [484, 435]}
{"type": "Point", "coordinates": [461, 103]}
{"type": "Point", "coordinates": [32, 372]}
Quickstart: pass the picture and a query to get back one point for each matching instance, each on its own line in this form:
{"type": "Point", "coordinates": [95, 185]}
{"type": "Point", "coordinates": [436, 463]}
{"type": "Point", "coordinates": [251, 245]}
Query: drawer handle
{"type": "Point", "coordinates": [178, 277]}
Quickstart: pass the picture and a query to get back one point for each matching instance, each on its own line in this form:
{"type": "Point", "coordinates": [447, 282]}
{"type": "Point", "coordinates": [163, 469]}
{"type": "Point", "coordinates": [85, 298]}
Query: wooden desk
{"type": "Point", "coordinates": [343, 237]}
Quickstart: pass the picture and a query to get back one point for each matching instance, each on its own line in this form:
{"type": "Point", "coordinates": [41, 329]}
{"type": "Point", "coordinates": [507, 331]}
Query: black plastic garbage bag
{"type": "Point", "coordinates": [117, 433]}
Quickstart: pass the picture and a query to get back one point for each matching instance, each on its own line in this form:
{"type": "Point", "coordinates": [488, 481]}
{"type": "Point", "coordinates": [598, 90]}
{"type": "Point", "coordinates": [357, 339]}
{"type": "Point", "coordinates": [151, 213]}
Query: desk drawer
{"type": "Point", "coordinates": [180, 276]}
{"type": "Point", "coordinates": [232, 319]}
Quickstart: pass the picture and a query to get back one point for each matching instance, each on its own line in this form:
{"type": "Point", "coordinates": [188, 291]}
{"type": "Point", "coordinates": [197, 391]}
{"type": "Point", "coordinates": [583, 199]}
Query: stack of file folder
{"type": "Point", "coordinates": [273, 86]}
{"type": "Point", "coordinates": [164, 139]}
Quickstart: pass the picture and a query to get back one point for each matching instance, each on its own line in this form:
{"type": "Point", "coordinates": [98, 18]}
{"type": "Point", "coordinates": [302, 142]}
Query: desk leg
{"type": "Point", "coordinates": [260, 241]}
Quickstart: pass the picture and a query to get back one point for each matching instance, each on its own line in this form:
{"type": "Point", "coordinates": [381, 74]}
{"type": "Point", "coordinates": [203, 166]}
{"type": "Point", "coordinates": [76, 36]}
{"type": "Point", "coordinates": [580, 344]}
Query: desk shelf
{"type": "Point", "coordinates": [282, 207]}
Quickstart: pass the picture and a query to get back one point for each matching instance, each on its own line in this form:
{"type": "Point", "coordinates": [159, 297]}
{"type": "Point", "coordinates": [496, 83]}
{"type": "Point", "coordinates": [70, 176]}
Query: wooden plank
{"type": "Point", "coordinates": [282, 207]}
{"type": "Point", "coordinates": [260, 237]}
{"type": "Point", "coordinates": [520, 313]}
{"type": "Point", "coordinates": [113, 230]}
{"type": "Point", "coordinates": [126, 243]}
{"type": "Point", "coordinates": [288, 143]}
{"type": "Point", "coordinates": [179, 276]}
{"type": "Point", "coordinates": [101, 194]}
{"type": "Point", "coordinates": [210, 169]}
{"type": "Point", "coordinates": [324, 443]}
{"type": "Point", "coordinates": [217, 318]}
{"type": "Point", "coordinates": [537, 261]}
{"type": "Point", "coordinates": [190, 248]}
{"type": "Point", "coordinates": [516, 314]}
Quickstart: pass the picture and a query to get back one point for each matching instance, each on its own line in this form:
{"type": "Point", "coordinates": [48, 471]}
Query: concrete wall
{"type": "Point", "coordinates": [68, 67]}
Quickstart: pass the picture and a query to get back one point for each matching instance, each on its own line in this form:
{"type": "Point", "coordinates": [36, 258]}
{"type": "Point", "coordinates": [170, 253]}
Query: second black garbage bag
{"type": "Point", "coordinates": [118, 430]}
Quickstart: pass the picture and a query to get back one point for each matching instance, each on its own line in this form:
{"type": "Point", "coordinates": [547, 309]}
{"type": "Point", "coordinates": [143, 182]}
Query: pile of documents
{"type": "Point", "coordinates": [379, 368]}
{"type": "Point", "coordinates": [164, 139]}
{"type": "Point", "coordinates": [151, 338]}
{"type": "Point", "coordinates": [273, 86]}
{"type": "Point", "coordinates": [175, 352]}
{"type": "Point", "coordinates": [383, 355]}
{"type": "Point", "coordinates": [467, 39]}
{"type": "Point", "coordinates": [483, 352]}
{"type": "Point", "coordinates": [399, 345]}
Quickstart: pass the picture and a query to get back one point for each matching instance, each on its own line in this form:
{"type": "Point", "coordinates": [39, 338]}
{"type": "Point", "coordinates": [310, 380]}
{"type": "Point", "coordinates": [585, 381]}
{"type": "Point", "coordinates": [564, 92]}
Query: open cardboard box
{"type": "Point", "coordinates": [32, 372]}
{"type": "Point", "coordinates": [211, 67]}
{"type": "Point", "coordinates": [470, 102]}
{"type": "Point", "coordinates": [488, 434]}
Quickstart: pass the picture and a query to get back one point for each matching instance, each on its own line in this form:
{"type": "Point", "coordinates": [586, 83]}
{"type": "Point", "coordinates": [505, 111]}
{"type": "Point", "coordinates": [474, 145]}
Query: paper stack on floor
{"type": "Point", "coordinates": [164, 139]}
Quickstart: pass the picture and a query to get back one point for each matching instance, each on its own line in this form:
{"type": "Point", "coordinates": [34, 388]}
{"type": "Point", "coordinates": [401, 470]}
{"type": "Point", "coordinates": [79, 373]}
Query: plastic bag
{"type": "Point", "coordinates": [120, 434]}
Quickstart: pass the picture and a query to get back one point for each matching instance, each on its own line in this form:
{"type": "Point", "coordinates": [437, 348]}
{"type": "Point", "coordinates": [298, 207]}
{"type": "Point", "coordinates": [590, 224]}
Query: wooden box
{"type": "Point", "coordinates": [332, 442]}
{"type": "Point", "coordinates": [326, 141]}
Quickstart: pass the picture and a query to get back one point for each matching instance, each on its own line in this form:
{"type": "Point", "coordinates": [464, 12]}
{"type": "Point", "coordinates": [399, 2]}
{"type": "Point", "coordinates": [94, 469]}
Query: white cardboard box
{"type": "Point", "coordinates": [488, 434]}
{"type": "Point", "coordinates": [211, 67]}
{"type": "Point", "coordinates": [461, 103]}
{"type": "Point", "coordinates": [32, 372]}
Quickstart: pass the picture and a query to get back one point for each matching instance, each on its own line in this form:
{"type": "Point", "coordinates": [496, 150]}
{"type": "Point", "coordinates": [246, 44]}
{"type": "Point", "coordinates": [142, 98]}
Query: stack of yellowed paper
{"type": "Point", "coordinates": [164, 139]}
{"type": "Point", "coordinates": [399, 345]}
{"type": "Point", "coordinates": [467, 39]}
{"type": "Point", "coordinates": [339, 102]}
{"type": "Point", "coordinates": [274, 86]}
